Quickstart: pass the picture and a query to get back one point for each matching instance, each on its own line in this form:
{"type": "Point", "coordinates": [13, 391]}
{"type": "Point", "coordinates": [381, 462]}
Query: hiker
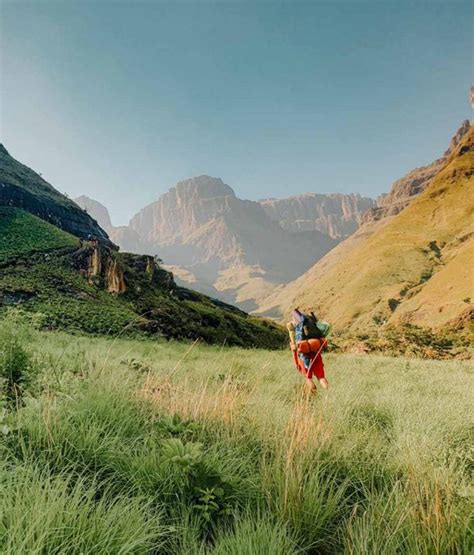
{"type": "Point", "coordinates": [307, 340]}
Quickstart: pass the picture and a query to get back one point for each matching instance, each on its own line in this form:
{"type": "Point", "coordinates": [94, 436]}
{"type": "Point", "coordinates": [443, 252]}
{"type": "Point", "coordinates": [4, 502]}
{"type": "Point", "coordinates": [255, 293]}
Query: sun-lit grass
{"type": "Point", "coordinates": [136, 446]}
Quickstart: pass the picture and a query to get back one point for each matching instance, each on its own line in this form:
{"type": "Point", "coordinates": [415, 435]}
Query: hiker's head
{"type": "Point", "coordinates": [297, 316]}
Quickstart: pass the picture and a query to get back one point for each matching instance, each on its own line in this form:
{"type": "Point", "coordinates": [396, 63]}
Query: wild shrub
{"type": "Point", "coordinates": [174, 425]}
{"type": "Point", "coordinates": [185, 455]}
{"type": "Point", "coordinates": [7, 423]}
{"type": "Point", "coordinates": [414, 341]}
{"type": "Point", "coordinates": [18, 370]}
{"type": "Point", "coordinates": [210, 496]}
{"type": "Point", "coordinates": [15, 369]}
{"type": "Point", "coordinates": [136, 365]}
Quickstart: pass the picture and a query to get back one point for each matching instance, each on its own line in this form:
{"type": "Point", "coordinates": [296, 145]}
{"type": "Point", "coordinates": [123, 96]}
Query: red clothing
{"type": "Point", "coordinates": [316, 367]}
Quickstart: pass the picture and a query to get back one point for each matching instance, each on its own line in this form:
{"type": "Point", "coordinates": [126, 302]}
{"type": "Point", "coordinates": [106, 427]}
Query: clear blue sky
{"type": "Point", "coordinates": [121, 100]}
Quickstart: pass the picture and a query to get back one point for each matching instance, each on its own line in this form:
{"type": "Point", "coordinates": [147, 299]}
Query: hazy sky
{"type": "Point", "coordinates": [119, 100]}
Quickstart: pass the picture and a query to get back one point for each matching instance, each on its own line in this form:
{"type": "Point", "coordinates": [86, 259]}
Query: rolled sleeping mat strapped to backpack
{"type": "Point", "coordinates": [310, 345]}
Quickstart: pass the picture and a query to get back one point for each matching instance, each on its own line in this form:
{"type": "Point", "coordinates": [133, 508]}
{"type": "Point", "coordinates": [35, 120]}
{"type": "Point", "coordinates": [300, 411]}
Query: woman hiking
{"type": "Point", "coordinates": [307, 340]}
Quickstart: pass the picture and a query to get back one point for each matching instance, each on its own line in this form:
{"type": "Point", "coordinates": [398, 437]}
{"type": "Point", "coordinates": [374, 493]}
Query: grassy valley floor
{"type": "Point", "coordinates": [137, 446]}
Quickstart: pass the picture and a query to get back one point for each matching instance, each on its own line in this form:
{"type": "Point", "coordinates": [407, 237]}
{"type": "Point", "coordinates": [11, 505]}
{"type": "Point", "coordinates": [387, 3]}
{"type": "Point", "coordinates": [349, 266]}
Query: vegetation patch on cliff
{"type": "Point", "coordinates": [23, 235]}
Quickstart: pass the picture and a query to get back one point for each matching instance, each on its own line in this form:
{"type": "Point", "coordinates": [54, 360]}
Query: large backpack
{"type": "Point", "coordinates": [312, 328]}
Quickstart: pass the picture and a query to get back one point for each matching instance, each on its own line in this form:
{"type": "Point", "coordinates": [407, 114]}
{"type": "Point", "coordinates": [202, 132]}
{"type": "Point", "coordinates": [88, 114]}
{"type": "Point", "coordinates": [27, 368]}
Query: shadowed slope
{"type": "Point", "coordinates": [22, 187]}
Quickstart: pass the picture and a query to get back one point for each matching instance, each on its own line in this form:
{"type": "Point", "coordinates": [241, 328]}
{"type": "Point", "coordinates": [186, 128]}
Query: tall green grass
{"type": "Point", "coordinates": [128, 446]}
{"type": "Point", "coordinates": [44, 513]}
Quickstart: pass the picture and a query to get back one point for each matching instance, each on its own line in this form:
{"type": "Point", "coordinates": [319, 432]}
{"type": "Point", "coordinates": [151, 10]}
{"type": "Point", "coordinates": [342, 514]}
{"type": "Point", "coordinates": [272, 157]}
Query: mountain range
{"type": "Point", "coordinates": [411, 260]}
{"type": "Point", "coordinates": [57, 262]}
{"type": "Point", "coordinates": [307, 250]}
{"type": "Point", "coordinates": [236, 250]}
{"type": "Point", "coordinates": [404, 258]}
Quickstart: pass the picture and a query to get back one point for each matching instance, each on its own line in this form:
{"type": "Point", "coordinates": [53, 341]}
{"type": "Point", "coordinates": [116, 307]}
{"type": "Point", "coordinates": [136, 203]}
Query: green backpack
{"type": "Point", "coordinates": [323, 327]}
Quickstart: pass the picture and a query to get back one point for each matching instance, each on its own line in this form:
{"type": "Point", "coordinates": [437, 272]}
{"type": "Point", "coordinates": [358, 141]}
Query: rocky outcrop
{"type": "Point", "coordinates": [114, 278]}
{"type": "Point", "coordinates": [21, 187]}
{"type": "Point", "coordinates": [145, 265]}
{"type": "Point", "coordinates": [101, 266]}
{"type": "Point", "coordinates": [404, 190]}
{"type": "Point", "coordinates": [336, 215]}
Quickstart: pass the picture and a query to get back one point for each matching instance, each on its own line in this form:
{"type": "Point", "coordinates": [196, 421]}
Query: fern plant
{"type": "Point", "coordinates": [186, 455]}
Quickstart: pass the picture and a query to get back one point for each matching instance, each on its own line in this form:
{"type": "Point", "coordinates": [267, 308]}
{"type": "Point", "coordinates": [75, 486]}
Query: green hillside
{"type": "Point", "coordinates": [81, 285]}
{"type": "Point", "coordinates": [21, 187]}
{"type": "Point", "coordinates": [23, 235]}
{"type": "Point", "coordinates": [410, 268]}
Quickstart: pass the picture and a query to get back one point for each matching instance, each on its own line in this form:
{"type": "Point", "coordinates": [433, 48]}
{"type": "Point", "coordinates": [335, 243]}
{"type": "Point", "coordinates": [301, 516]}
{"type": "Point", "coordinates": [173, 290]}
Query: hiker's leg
{"type": "Point", "coordinates": [317, 367]}
{"type": "Point", "coordinates": [311, 385]}
{"type": "Point", "coordinates": [318, 370]}
{"type": "Point", "coordinates": [304, 363]}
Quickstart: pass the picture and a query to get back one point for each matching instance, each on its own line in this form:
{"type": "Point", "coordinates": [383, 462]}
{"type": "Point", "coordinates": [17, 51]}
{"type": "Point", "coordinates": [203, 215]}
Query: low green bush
{"type": "Point", "coordinates": [18, 370]}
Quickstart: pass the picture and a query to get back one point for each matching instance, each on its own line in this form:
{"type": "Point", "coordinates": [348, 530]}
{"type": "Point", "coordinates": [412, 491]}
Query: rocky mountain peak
{"type": "Point", "coordinates": [96, 210]}
{"type": "Point", "coordinates": [183, 209]}
{"type": "Point", "coordinates": [202, 186]}
{"type": "Point", "coordinates": [404, 190]}
{"type": "Point", "coordinates": [458, 136]}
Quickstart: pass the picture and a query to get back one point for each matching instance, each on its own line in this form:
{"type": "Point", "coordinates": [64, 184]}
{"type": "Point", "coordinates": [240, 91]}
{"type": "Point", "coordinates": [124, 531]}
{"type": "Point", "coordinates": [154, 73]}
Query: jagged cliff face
{"type": "Point", "coordinates": [100, 265]}
{"type": "Point", "coordinates": [201, 223]}
{"type": "Point", "coordinates": [336, 215]}
{"type": "Point", "coordinates": [107, 269]}
{"type": "Point", "coordinates": [404, 190]}
{"type": "Point", "coordinates": [21, 187]}
{"type": "Point", "coordinates": [183, 209]}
